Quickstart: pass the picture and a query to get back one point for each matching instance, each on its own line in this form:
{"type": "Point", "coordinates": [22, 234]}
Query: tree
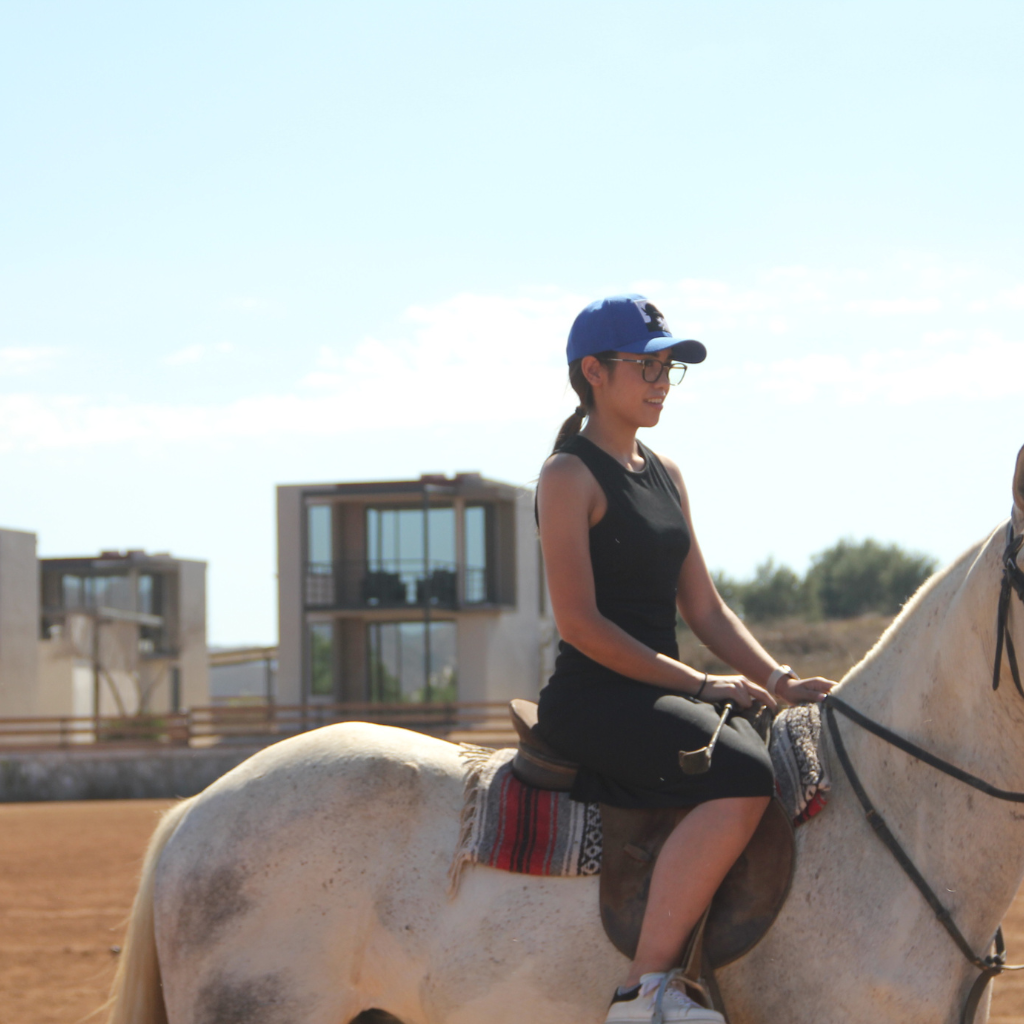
{"type": "Point", "coordinates": [852, 579]}
{"type": "Point", "coordinates": [775, 592]}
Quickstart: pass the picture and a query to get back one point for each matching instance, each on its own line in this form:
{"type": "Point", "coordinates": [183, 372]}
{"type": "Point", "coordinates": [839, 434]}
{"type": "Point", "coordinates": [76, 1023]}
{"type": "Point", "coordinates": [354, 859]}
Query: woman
{"type": "Point", "coordinates": [621, 556]}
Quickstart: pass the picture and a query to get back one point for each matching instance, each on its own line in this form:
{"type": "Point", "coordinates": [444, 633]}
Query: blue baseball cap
{"type": "Point", "coordinates": [627, 323]}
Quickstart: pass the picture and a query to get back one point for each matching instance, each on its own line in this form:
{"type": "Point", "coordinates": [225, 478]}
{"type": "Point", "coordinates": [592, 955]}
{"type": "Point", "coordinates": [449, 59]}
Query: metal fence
{"type": "Point", "coordinates": [206, 726]}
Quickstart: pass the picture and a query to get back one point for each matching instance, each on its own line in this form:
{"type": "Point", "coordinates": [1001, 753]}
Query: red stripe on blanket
{"type": "Point", "coordinates": [814, 807]}
{"type": "Point", "coordinates": [528, 830]}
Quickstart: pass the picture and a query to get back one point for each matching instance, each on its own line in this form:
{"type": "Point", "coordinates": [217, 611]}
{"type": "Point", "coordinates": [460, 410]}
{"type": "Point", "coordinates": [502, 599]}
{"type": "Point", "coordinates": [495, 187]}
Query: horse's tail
{"type": "Point", "coordinates": [136, 997]}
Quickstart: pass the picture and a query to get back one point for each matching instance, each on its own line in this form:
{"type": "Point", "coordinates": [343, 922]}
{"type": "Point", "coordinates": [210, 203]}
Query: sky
{"type": "Point", "coordinates": [243, 245]}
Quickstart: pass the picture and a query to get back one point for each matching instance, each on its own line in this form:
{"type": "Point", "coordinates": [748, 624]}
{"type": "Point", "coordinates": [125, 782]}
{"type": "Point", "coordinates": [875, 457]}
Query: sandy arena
{"type": "Point", "coordinates": [66, 886]}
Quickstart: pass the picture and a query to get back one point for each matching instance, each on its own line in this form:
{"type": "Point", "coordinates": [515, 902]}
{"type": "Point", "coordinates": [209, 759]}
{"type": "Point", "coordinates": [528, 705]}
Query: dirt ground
{"type": "Point", "coordinates": [67, 878]}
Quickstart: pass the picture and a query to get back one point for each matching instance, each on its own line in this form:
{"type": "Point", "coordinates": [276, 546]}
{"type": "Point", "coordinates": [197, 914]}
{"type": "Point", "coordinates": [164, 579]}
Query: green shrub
{"type": "Point", "coordinates": [851, 579]}
{"type": "Point", "coordinates": [775, 592]}
{"type": "Point", "coordinates": [844, 581]}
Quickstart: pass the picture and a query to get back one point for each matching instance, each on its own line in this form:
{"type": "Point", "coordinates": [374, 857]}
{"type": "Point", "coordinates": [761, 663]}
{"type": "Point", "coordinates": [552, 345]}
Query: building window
{"type": "Point", "coordinates": [319, 536]}
{"type": "Point", "coordinates": [320, 583]}
{"type": "Point", "coordinates": [71, 595]}
{"type": "Point", "coordinates": [410, 557]}
{"type": "Point", "coordinates": [175, 688]}
{"type": "Point", "coordinates": [96, 592]}
{"type": "Point", "coordinates": [321, 659]}
{"type": "Point", "coordinates": [401, 668]}
{"type": "Point", "coordinates": [478, 590]}
{"type": "Point", "coordinates": [150, 594]}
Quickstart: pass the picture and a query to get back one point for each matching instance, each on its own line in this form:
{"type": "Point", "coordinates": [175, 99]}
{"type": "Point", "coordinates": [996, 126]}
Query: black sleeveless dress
{"type": "Point", "coordinates": [625, 734]}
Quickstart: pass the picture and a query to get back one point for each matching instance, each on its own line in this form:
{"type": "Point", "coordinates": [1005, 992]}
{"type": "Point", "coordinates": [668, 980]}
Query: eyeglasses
{"type": "Point", "coordinates": [654, 368]}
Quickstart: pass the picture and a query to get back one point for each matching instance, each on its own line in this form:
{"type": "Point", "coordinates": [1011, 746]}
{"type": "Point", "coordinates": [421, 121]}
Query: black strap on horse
{"type": "Point", "coordinates": [991, 965]}
{"type": "Point", "coordinates": [1013, 579]}
{"type": "Point", "coordinates": [995, 963]}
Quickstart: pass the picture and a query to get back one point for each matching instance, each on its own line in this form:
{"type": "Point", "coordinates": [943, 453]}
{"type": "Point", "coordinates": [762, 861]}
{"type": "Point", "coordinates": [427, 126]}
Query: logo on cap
{"type": "Point", "coordinates": [652, 316]}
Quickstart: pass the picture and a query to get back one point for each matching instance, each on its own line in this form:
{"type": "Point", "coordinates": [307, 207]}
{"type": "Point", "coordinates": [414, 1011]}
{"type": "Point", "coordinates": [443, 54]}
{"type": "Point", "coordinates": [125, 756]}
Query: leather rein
{"type": "Point", "coordinates": [995, 963]}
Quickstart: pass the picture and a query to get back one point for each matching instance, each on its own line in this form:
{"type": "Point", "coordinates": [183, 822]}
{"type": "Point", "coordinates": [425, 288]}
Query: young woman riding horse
{"type": "Point", "coordinates": [621, 557]}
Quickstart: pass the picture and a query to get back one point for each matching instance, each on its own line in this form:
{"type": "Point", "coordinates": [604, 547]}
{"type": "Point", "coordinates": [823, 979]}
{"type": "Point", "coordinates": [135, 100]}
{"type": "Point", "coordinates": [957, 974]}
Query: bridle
{"type": "Point", "coordinates": [994, 963]}
{"type": "Point", "coordinates": [1013, 580]}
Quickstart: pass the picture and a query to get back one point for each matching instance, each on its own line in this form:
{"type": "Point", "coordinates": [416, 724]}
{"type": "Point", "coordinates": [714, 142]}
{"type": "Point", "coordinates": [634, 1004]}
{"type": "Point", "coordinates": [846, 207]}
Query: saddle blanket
{"type": "Point", "coordinates": [508, 825]}
{"type": "Point", "coordinates": [514, 827]}
{"type": "Point", "coordinates": [801, 771]}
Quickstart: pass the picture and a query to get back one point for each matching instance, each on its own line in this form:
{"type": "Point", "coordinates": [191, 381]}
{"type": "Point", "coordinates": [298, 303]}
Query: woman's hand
{"type": "Point", "coordinates": [739, 689]}
{"type": "Point", "coordinates": [803, 691]}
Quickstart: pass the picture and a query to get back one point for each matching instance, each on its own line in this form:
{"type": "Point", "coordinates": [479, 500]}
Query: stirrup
{"type": "Point", "coordinates": [697, 972]}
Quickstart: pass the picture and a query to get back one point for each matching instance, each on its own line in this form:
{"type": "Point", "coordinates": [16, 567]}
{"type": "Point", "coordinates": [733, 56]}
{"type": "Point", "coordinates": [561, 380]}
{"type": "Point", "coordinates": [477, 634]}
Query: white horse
{"type": "Point", "coordinates": [309, 884]}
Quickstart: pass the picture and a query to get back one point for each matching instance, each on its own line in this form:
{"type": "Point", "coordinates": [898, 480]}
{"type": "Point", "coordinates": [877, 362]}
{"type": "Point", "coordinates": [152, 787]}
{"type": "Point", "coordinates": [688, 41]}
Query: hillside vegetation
{"type": "Point", "coordinates": [844, 581]}
{"type": "Point", "coordinates": [829, 648]}
{"type": "Point", "coordinates": [824, 622]}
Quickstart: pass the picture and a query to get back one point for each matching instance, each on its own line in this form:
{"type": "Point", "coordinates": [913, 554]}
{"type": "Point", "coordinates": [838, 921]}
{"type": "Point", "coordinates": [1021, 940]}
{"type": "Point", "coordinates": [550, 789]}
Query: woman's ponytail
{"type": "Point", "coordinates": [579, 383]}
{"type": "Point", "coordinates": [570, 428]}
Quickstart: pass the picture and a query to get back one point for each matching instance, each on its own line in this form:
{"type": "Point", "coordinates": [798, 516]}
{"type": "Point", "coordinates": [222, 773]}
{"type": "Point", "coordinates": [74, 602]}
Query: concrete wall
{"type": "Point", "coordinates": [290, 571]}
{"type": "Point", "coordinates": [193, 658]}
{"type": "Point", "coordinates": [505, 654]}
{"type": "Point", "coordinates": [19, 623]}
{"type": "Point", "coordinates": [114, 774]}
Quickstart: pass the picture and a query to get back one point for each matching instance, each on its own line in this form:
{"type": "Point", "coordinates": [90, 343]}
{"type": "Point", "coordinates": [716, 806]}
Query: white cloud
{"type": "Point", "coordinates": [17, 359]}
{"type": "Point", "coordinates": [1013, 297]}
{"type": "Point", "coordinates": [890, 307]}
{"type": "Point", "coordinates": [249, 304]}
{"type": "Point", "coordinates": [467, 360]}
{"type": "Point", "coordinates": [184, 356]}
{"type": "Point", "coordinates": [197, 353]}
{"type": "Point", "coordinates": [479, 359]}
{"type": "Point", "coordinates": [986, 368]}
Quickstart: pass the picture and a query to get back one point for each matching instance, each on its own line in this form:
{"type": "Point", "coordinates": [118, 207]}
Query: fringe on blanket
{"type": "Point", "coordinates": [477, 760]}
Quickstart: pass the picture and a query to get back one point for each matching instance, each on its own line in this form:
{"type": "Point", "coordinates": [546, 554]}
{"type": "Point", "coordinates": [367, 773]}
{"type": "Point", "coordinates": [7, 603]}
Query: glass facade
{"type": "Point", "coordinates": [318, 524]}
{"type": "Point", "coordinates": [320, 578]}
{"type": "Point", "coordinates": [321, 659]}
{"type": "Point", "coordinates": [97, 592]}
{"type": "Point", "coordinates": [400, 668]}
{"type": "Point", "coordinates": [475, 555]}
{"type": "Point", "coordinates": [410, 557]}
{"type": "Point", "coordinates": [86, 592]}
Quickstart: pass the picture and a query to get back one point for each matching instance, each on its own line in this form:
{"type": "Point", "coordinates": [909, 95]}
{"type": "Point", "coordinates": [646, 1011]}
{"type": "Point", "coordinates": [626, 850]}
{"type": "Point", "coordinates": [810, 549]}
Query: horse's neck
{"type": "Point", "coordinates": [929, 679]}
{"type": "Point", "coordinates": [929, 676]}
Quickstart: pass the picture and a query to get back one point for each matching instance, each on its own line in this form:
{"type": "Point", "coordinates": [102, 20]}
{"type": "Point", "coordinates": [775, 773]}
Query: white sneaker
{"type": "Point", "coordinates": [660, 999]}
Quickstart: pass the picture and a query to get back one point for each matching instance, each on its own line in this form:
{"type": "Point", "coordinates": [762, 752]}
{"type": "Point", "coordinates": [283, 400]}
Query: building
{"type": "Point", "coordinates": [410, 591]}
{"type": "Point", "coordinates": [242, 675]}
{"type": "Point", "coordinates": [115, 635]}
{"type": "Point", "coordinates": [19, 624]}
{"type": "Point", "coordinates": [122, 634]}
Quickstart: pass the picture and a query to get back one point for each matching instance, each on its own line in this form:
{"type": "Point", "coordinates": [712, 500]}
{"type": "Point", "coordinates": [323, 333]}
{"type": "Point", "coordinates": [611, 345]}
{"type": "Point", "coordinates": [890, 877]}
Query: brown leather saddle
{"type": "Point", "coordinates": [748, 900]}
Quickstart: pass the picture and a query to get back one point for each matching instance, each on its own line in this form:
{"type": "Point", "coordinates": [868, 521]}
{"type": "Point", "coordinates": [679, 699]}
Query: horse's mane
{"type": "Point", "coordinates": [937, 590]}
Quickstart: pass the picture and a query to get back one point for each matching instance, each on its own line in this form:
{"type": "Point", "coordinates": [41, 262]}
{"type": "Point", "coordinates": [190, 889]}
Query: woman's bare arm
{"type": "Point", "coordinates": [718, 627]}
{"type": "Point", "coordinates": [569, 502]}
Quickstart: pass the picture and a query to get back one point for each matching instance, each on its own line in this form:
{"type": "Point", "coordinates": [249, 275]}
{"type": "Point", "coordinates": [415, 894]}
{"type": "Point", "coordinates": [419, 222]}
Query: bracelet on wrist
{"type": "Point", "coordinates": [780, 673]}
{"type": "Point", "coordinates": [704, 682]}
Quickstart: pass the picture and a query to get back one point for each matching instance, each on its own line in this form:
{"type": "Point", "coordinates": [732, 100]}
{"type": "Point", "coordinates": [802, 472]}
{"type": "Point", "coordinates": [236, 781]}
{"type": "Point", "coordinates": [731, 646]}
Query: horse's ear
{"type": "Point", "coordinates": [1018, 484]}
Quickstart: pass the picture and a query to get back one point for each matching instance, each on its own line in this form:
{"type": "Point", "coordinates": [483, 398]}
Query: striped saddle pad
{"type": "Point", "coordinates": [514, 827]}
{"type": "Point", "coordinates": [508, 825]}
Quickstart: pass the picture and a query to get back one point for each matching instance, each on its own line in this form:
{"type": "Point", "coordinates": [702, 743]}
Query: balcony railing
{"type": "Point", "coordinates": [392, 584]}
